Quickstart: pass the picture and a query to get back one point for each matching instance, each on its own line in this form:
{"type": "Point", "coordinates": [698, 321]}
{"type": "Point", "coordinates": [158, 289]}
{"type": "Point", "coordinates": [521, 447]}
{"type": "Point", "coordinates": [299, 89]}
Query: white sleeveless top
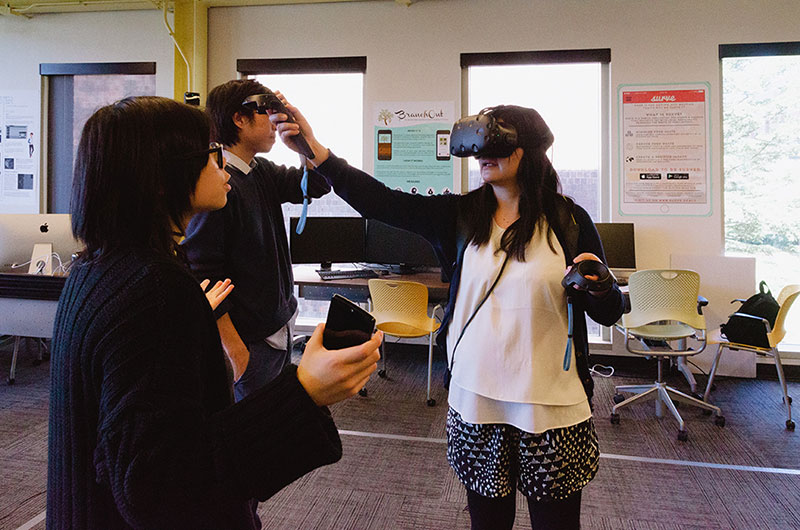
{"type": "Point", "coordinates": [509, 364]}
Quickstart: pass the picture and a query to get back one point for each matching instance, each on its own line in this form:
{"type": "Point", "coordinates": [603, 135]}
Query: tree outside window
{"type": "Point", "coordinates": [761, 126]}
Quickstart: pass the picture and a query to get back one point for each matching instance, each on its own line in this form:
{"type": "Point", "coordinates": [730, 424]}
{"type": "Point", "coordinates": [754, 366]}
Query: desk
{"type": "Point", "coordinates": [312, 287]}
{"type": "Point", "coordinates": [28, 304]}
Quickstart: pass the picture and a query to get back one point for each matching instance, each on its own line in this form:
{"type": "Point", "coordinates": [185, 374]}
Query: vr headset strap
{"type": "Point", "coordinates": [485, 297]}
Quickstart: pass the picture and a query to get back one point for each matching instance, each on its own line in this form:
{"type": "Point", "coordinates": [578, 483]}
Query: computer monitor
{"type": "Point", "coordinates": [619, 246]}
{"type": "Point", "coordinates": [20, 232]}
{"type": "Point", "coordinates": [327, 240]}
{"type": "Point", "coordinates": [402, 250]}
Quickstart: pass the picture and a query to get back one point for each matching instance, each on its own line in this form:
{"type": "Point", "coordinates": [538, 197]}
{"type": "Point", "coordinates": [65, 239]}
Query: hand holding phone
{"type": "Point", "coordinates": [347, 324]}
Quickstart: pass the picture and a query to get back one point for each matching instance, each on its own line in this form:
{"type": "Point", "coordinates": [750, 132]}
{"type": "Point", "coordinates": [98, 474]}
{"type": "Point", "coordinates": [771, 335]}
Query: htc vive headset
{"type": "Point", "coordinates": [264, 103]}
{"type": "Point", "coordinates": [482, 135]}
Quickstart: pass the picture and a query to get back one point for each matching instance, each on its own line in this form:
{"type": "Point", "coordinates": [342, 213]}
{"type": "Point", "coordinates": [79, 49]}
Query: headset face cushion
{"type": "Point", "coordinates": [482, 136]}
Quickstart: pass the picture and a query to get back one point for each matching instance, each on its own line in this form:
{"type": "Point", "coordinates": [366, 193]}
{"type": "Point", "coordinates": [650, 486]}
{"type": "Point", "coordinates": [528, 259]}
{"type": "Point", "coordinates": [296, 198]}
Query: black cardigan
{"type": "Point", "coordinates": [246, 242]}
{"type": "Point", "coordinates": [436, 218]}
{"type": "Point", "coordinates": [143, 430]}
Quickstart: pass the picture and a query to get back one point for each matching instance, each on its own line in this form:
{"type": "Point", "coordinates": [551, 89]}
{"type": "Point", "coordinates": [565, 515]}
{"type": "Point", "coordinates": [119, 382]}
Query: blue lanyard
{"type": "Point", "coordinates": [301, 223]}
{"type": "Point", "coordinates": [568, 352]}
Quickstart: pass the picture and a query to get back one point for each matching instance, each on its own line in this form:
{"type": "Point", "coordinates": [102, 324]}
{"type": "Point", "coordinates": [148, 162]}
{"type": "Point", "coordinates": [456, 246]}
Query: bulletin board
{"type": "Point", "coordinates": [664, 149]}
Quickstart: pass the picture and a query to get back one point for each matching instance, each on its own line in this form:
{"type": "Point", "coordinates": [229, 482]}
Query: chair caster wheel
{"type": "Point", "coordinates": [614, 419]}
{"type": "Point", "coordinates": [618, 398]}
{"type": "Point", "coordinates": [697, 395]}
{"type": "Point", "coordinates": [789, 398]}
{"type": "Point", "coordinates": [683, 436]}
{"type": "Point", "coordinates": [10, 380]}
{"type": "Point", "coordinates": [382, 374]}
{"type": "Point", "coordinates": [789, 425]}
{"type": "Point", "coordinates": [719, 421]}
{"type": "Point", "coordinates": [362, 392]}
{"type": "Point", "coordinates": [431, 402]}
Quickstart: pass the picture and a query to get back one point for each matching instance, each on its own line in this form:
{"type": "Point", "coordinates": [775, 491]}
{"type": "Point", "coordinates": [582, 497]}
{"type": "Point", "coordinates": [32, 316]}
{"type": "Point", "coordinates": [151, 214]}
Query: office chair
{"type": "Point", "coordinates": [773, 337]}
{"type": "Point", "coordinates": [400, 309]}
{"type": "Point", "coordinates": [664, 314]}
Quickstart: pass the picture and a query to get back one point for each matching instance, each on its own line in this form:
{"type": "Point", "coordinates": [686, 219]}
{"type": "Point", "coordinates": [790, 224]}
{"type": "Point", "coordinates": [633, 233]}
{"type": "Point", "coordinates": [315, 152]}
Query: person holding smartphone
{"type": "Point", "coordinates": [520, 415]}
{"type": "Point", "coordinates": [144, 432]}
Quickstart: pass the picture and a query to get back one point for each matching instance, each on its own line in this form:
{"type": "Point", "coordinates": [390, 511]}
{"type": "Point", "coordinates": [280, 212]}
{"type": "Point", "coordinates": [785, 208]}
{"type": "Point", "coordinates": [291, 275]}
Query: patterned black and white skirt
{"type": "Point", "coordinates": [491, 459]}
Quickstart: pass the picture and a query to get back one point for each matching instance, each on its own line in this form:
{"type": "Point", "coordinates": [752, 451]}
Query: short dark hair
{"type": "Point", "coordinates": [226, 100]}
{"type": "Point", "coordinates": [133, 181]}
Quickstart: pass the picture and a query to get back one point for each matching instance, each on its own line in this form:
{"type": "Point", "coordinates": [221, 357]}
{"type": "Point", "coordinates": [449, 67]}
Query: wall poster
{"type": "Point", "coordinates": [665, 149]}
{"type": "Point", "coordinates": [412, 146]}
{"type": "Point", "coordinates": [19, 151]}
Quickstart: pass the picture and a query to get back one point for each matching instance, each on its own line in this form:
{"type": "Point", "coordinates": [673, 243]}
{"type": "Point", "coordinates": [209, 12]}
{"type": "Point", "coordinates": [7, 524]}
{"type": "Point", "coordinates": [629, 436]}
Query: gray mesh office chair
{"type": "Point", "coordinates": [663, 316]}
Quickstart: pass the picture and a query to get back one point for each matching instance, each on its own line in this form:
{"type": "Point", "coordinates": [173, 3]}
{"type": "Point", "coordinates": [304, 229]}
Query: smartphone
{"type": "Point", "coordinates": [347, 324]}
{"type": "Point", "coordinates": [384, 144]}
{"type": "Point", "coordinates": [443, 145]}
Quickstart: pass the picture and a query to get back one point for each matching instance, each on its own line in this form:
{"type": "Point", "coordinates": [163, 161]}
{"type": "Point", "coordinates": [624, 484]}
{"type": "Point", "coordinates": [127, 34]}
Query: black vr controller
{"type": "Point", "coordinates": [577, 276]}
{"type": "Point", "coordinates": [482, 135]}
{"type": "Point", "coordinates": [270, 104]}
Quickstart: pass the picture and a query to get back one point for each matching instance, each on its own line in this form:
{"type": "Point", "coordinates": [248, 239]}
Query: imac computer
{"type": "Point", "coordinates": [620, 249]}
{"type": "Point", "coordinates": [50, 234]}
{"type": "Point", "coordinates": [403, 251]}
{"type": "Point", "coordinates": [327, 240]}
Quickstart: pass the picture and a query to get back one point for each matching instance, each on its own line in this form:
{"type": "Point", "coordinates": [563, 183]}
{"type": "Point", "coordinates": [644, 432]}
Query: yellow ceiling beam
{"type": "Point", "coordinates": [190, 34]}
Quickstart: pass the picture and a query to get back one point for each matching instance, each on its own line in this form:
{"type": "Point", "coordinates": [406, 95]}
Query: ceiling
{"type": "Point", "coordinates": [30, 8]}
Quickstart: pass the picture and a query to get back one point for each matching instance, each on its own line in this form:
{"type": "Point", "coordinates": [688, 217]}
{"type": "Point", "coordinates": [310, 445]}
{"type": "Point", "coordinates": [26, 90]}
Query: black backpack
{"type": "Point", "coordinates": [751, 331]}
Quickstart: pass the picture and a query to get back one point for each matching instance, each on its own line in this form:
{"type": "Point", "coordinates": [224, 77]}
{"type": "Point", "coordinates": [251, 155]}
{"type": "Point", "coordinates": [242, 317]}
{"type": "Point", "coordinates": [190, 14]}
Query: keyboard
{"type": "Point", "coordinates": [347, 274]}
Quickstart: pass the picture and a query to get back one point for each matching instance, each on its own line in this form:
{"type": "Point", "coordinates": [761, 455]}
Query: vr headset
{"type": "Point", "coordinates": [482, 135]}
{"type": "Point", "coordinates": [268, 103]}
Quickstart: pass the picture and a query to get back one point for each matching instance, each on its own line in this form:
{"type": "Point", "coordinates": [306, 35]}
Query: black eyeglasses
{"type": "Point", "coordinates": [213, 147]}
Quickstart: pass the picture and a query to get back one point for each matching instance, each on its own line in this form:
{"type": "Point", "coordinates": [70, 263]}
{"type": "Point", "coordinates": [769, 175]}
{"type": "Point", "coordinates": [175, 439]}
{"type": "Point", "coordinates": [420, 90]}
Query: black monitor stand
{"type": "Point", "coordinates": [402, 269]}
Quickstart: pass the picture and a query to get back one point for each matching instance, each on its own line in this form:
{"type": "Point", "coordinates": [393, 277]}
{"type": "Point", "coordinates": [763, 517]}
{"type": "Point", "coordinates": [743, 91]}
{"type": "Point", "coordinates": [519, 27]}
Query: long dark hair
{"type": "Point", "coordinates": [538, 181]}
{"type": "Point", "coordinates": [133, 181]}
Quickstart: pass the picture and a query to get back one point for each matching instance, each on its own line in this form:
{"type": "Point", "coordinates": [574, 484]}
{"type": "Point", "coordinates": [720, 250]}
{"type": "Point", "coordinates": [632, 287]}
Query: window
{"type": "Point", "coordinates": [569, 90]}
{"type": "Point", "coordinates": [330, 93]}
{"type": "Point", "coordinates": [75, 92]}
{"type": "Point", "coordinates": [761, 146]}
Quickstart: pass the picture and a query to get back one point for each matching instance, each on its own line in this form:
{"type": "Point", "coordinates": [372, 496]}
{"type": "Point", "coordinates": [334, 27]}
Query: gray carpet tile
{"type": "Point", "coordinates": [386, 483]}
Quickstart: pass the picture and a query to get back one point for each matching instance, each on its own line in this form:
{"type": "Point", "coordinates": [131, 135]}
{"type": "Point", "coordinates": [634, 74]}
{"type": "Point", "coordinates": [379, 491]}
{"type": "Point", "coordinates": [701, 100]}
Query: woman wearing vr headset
{"type": "Point", "coordinates": [519, 396]}
{"type": "Point", "coordinates": [143, 429]}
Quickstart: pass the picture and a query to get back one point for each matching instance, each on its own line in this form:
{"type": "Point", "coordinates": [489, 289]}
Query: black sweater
{"type": "Point", "coordinates": [246, 242]}
{"type": "Point", "coordinates": [437, 219]}
{"type": "Point", "coordinates": [143, 432]}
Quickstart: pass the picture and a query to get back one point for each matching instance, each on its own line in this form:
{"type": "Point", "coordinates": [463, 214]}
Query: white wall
{"type": "Point", "coordinates": [123, 36]}
{"type": "Point", "coordinates": [413, 54]}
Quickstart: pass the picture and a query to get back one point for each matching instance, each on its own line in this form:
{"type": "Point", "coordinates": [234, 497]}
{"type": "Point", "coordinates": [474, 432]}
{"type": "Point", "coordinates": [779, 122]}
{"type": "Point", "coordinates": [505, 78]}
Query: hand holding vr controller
{"type": "Point", "coordinates": [298, 127]}
{"type": "Point", "coordinates": [588, 274]}
{"type": "Point", "coordinates": [272, 104]}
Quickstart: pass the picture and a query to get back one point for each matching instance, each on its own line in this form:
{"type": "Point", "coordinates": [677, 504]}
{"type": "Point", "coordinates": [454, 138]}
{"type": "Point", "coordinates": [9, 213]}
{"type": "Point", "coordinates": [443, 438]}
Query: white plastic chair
{"type": "Point", "coordinates": [773, 336]}
{"type": "Point", "coordinates": [664, 314]}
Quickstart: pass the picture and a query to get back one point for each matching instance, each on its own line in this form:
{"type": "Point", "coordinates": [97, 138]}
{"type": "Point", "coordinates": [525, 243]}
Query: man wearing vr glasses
{"type": "Point", "coordinates": [246, 240]}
